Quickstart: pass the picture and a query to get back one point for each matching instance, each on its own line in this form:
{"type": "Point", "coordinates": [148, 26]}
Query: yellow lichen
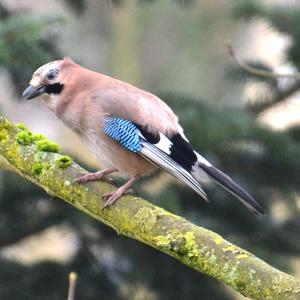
{"type": "Point", "coordinates": [238, 252]}
{"type": "Point", "coordinates": [14, 156]}
{"type": "Point", "coordinates": [190, 245]}
{"type": "Point", "coordinates": [163, 241]}
{"type": "Point", "coordinates": [3, 136]}
{"type": "Point", "coordinates": [146, 217]}
{"type": "Point", "coordinates": [218, 240]}
{"type": "Point", "coordinates": [229, 248]}
{"type": "Point", "coordinates": [5, 124]}
{"type": "Point", "coordinates": [4, 127]}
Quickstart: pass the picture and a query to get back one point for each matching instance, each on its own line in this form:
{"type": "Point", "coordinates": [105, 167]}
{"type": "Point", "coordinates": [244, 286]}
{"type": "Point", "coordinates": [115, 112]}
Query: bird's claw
{"type": "Point", "coordinates": [112, 197]}
{"type": "Point", "coordinates": [87, 177]}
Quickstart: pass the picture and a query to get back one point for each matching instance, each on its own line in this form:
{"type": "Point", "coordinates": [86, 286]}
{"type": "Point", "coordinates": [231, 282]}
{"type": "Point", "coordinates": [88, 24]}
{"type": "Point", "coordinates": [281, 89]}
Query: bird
{"type": "Point", "coordinates": [129, 130]}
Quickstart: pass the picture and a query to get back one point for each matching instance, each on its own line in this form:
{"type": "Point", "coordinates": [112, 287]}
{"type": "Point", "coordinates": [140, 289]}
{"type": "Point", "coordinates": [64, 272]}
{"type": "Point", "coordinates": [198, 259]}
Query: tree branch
{"type": "Point", "coordinates": [258, 107]}
{"type": "Point", "coordinates": [197, 247]}
{"type": "Point", "coordinates": [281, 96]}
{"type": "Point", "coordinates": [257, 71]}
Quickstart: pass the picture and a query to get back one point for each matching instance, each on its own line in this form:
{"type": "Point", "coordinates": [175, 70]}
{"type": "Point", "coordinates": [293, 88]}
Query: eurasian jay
{"type": "Point", "coordinates": [129, 130]}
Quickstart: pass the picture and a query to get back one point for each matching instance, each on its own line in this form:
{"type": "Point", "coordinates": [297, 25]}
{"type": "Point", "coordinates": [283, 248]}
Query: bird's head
{"type": "Point", "coordinates": [48, 80]}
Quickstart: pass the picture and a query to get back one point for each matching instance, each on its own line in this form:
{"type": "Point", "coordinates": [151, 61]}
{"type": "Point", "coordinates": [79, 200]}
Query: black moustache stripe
{"type": "Point", "coordinates": [55, 88]}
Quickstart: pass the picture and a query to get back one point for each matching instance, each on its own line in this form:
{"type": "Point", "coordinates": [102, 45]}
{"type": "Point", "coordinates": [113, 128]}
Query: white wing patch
{"type": "Point", "coordinates": [159, 155]}
{"type": "Point", "coordinates": [164, 144]}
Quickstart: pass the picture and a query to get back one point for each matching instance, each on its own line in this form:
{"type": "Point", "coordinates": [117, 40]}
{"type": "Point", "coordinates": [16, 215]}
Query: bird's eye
{"type": "Point", "coordinates": [52, 74]}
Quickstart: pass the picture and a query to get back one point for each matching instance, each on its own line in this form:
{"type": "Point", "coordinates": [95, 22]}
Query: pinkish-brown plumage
{"type": "Point", "coordinates": [88, 97]}
{"type": "Point", "coordinates": [85, 101]}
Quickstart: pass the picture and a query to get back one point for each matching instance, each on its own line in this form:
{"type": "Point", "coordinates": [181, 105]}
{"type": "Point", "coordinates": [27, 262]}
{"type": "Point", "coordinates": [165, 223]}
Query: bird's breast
{"type": "Point", "coordinates": [111, 154]}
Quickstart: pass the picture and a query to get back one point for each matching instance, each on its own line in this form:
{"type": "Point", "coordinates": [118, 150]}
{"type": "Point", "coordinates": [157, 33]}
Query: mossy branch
{"type": "Point", "coordinates": [35, 158]}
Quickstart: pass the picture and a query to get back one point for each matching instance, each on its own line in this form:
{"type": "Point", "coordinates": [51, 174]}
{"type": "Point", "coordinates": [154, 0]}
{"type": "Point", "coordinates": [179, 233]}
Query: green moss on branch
{"type": "Point", "coordinates": [197, 247]}
{"type": "Point", "coordinates": [64, 161]}
{"type": "Point", "coordinates": [26, 137]}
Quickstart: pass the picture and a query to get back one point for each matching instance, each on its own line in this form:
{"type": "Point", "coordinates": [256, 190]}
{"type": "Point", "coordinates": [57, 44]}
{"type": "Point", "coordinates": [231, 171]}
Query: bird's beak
{"type": "Point", "coordinates": [32, 92]}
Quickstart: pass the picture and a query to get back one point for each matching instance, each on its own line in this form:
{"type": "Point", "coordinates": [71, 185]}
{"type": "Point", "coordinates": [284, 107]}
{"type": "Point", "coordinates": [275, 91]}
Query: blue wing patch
{"type": "Point", "coordinates": [124, 132]}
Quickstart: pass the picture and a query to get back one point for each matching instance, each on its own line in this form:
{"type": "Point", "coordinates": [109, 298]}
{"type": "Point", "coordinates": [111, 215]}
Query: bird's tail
{"type": "Point", "coordinates": [226, 182]}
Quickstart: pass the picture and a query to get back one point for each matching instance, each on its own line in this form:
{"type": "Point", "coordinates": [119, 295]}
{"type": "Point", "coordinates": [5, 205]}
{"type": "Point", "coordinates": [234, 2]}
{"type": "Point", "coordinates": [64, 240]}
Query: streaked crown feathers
{"type": "Point", "coordinates": [48, 72]}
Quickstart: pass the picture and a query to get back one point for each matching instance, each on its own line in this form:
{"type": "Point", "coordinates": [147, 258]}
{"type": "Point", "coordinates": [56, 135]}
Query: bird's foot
{"type": "Point", "coordinates": [112, 197]}
{"type": "Point", "coordinates": [100, 175]}
{"type": "Point", "coordinates": [125, 189]}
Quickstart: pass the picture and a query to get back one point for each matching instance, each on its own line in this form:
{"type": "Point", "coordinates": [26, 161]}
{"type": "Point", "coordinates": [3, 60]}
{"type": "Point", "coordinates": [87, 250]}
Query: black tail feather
{"type": "Point", "coordinates": [226, 182]}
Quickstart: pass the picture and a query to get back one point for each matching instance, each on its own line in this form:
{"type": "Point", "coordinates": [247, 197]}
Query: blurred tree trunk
{"type": "Point", "coordinates": [126, 47]}
{"type": "Point", "coordinates": [196, 247]}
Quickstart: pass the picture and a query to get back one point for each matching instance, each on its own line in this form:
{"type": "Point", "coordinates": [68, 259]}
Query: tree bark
{"type": "Point", "coordinates": [30, 156]}
{"type": "Point", "coordinates": [125, 42]}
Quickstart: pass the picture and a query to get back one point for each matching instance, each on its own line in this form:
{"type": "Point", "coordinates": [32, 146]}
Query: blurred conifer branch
{"type": "Point", "coordinates": [256, 71]}
{"type": "Point", "coordinates": [26, 42]}
{"type": "Point", "coordinates": [266, 74]}
{"type": "Point", "coordinates": [196, 247]}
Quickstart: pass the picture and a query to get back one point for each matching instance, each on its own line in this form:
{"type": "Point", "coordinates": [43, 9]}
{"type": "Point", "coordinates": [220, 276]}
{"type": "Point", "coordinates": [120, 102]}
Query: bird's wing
{"type": "Point", "coordinates": [162, 141]}
{"type": "Point", "coordinates": [158, 149]}
{"type": "Point", "coordinates": [117, 98]}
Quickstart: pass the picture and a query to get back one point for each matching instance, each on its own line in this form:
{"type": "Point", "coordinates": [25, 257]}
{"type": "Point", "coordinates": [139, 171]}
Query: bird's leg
{"type": "Point", "coordinates": [112, 197]}
{"type": "Point", "coordinates": [100, 175]}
